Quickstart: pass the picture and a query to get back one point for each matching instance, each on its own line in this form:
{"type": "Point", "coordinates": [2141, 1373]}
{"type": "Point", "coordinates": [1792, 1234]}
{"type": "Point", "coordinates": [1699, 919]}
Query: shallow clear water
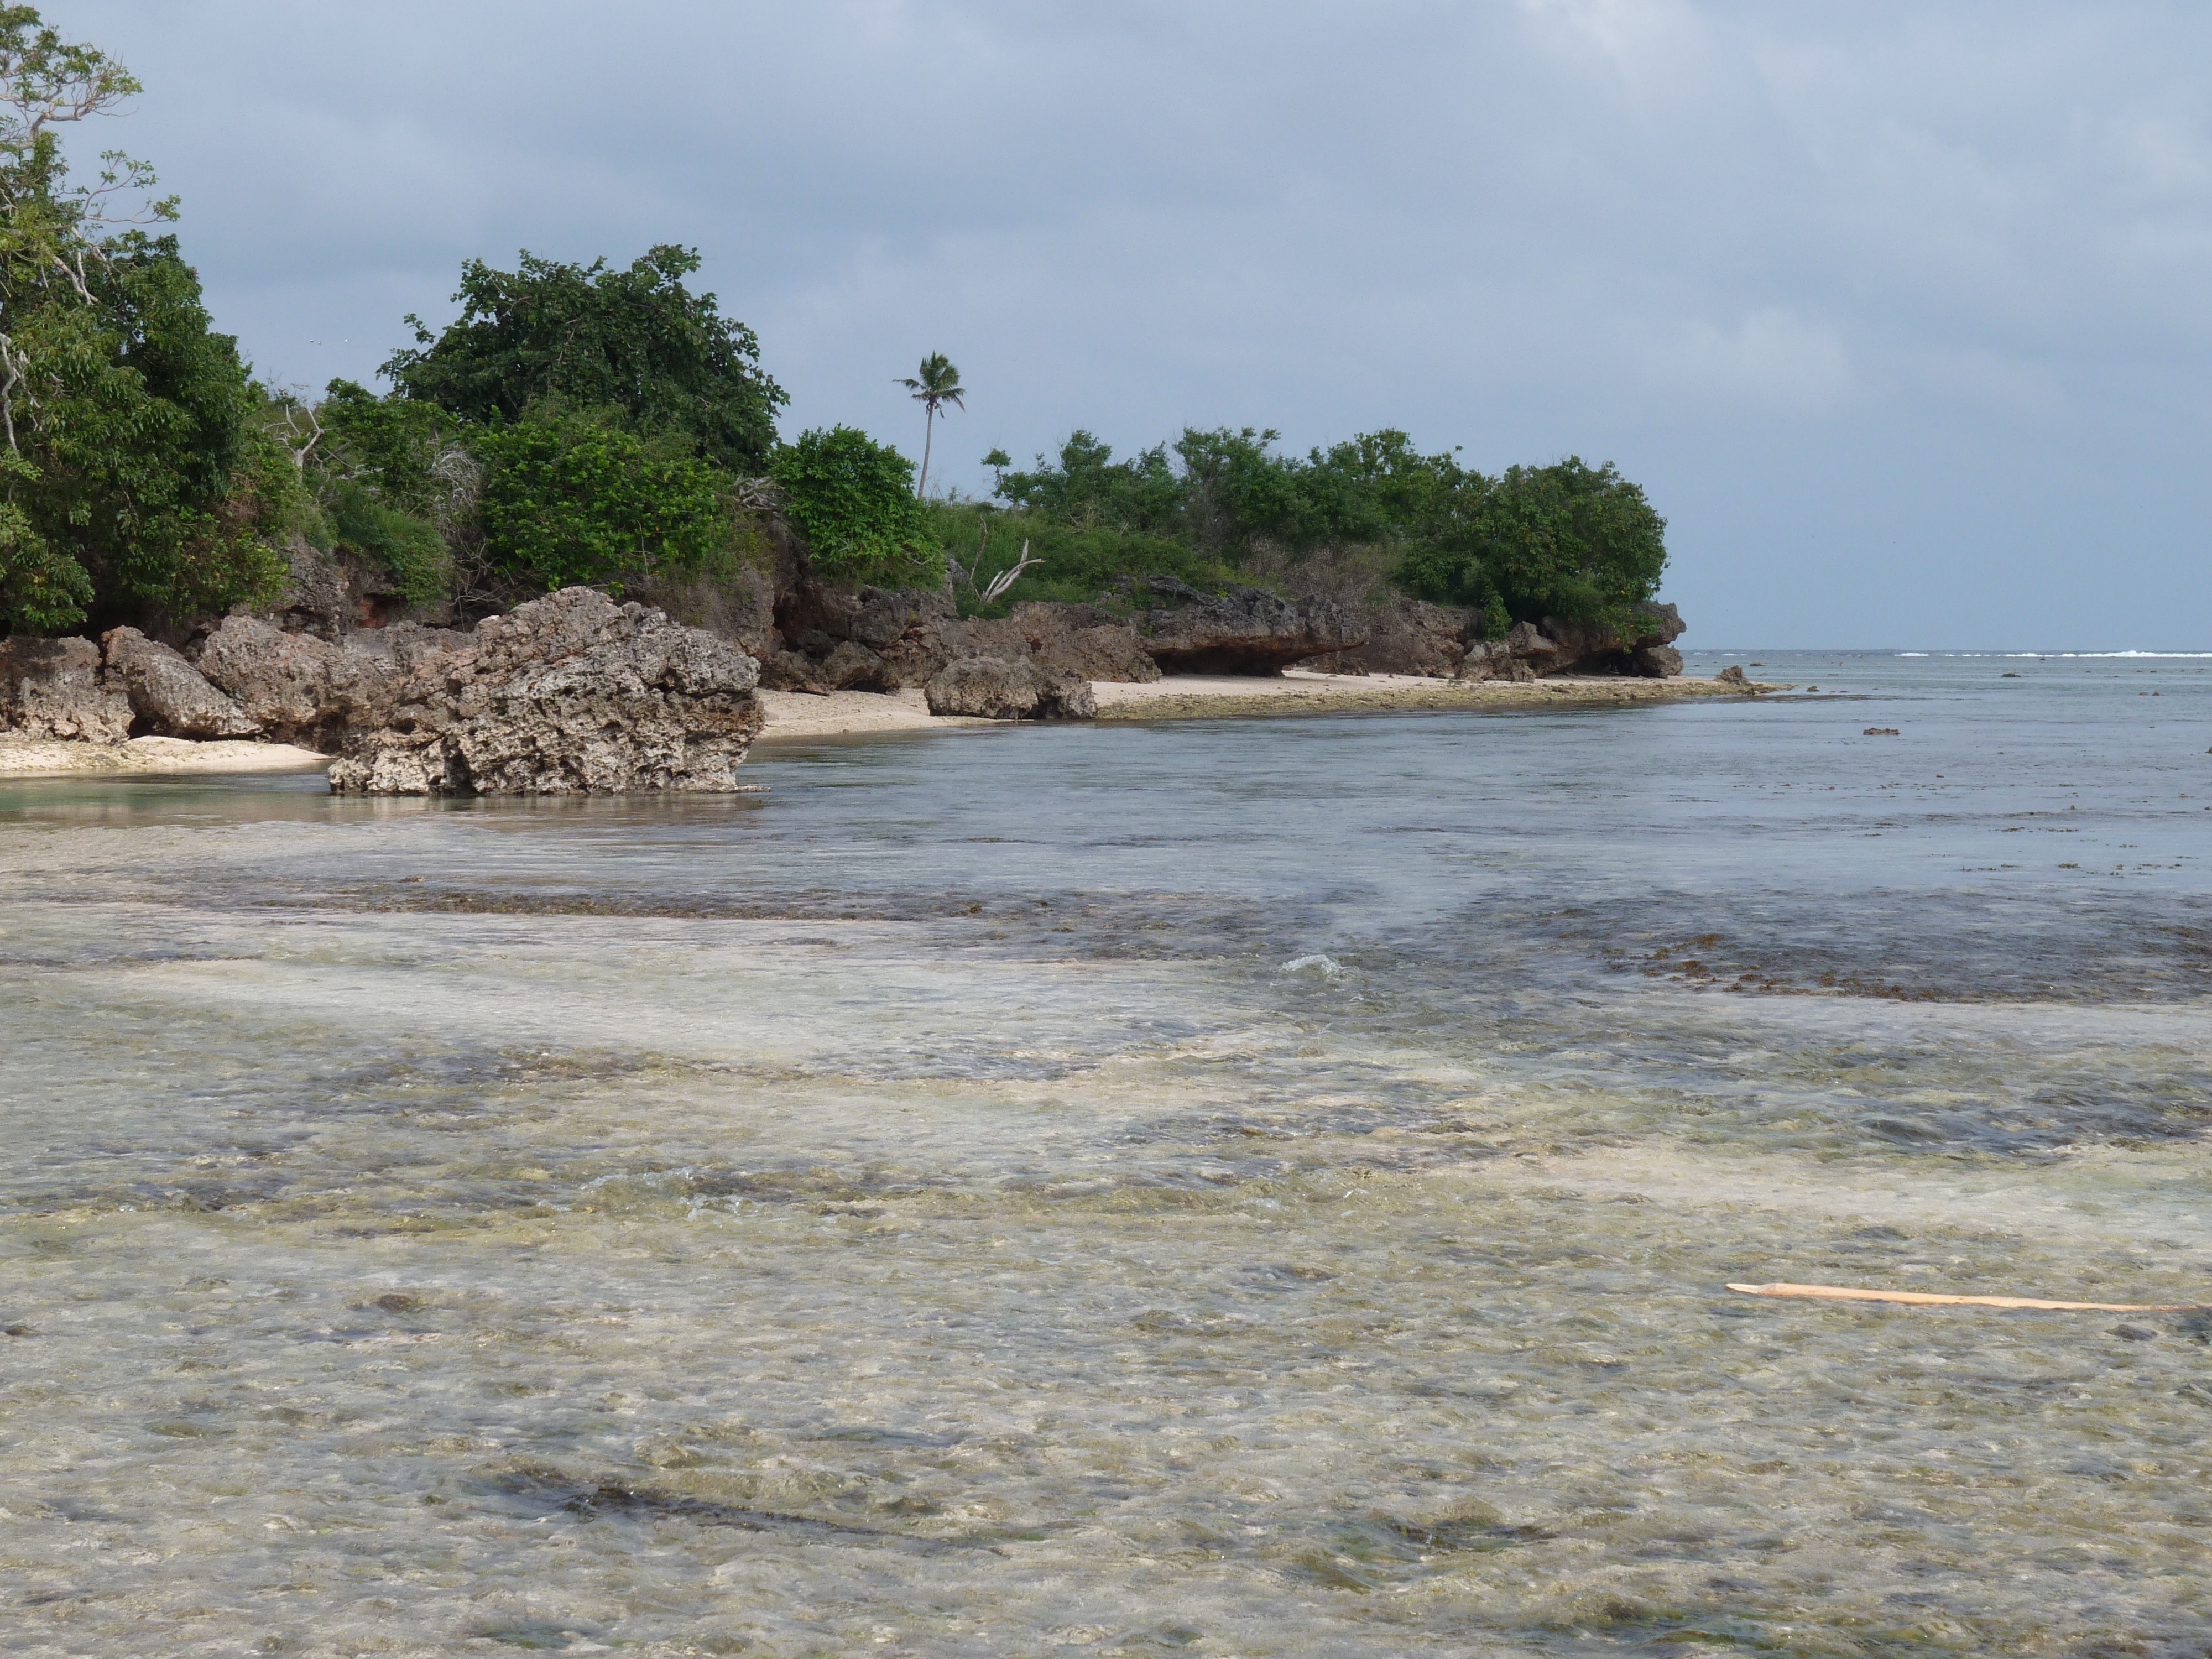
{"type": "Point", "coordinates": [1234, 1187]}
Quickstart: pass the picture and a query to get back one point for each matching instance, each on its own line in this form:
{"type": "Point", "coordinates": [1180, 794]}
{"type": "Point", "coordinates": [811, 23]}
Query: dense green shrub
{"type": "Point", "coordinates": [1077, 564]}
{"type": "Point", "coordinates": [1567, 540]}
{"type": "Point", "coordinates": [636, 340]}
{"type": "Point", "coordinates": [407, 549]}
{"type": "Point", "coordinates": [138, 482]}
{"type": "Point", "coordinates": [853, 500]}
{"type": "Point", "coordinates": [574, 497]}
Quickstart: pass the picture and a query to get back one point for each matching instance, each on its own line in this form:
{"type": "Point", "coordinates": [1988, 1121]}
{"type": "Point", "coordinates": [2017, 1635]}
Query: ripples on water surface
{"type": "Point", "coordinates": [1231, 1188]}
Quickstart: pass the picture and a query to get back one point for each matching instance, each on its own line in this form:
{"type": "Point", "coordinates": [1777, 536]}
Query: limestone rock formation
{"type": "Point", "coordinates": [169, 696]}
{"type": "Point", "coordinates": [318, 595]}
{"type": "Point", "coordinates": [875, 640]}
{"type": "Point", "coordinates": [571, 694]}
{"type": "Point", "coordinates": [1008, 688]}
{"type": "Point", "coordinates": [1560, 646]}
{"type": "Point", "coordinates": [1405, 636]}
{"type": "Point", "coordinates": [54, 689]}
{"type": "Point", "coordinates": [1244, 631]}
{"type": "Point", "coordinates": [303, 689]}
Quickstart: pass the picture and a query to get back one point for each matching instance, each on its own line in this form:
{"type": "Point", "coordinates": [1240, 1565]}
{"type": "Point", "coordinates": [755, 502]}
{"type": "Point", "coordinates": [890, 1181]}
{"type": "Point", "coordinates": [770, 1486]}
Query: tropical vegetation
{"type": "Point", "coordinates": [609, 425]}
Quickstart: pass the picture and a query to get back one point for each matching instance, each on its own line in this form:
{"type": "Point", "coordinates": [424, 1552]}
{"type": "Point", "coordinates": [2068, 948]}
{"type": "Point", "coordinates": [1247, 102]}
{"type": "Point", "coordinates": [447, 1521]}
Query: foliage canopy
{"type": "Point", "coordinates": [636, 340]}
{"type": "Point", "coordinates": [1567, 540]}
{"type": "Point", "coordinates": [853, 499]}
{"type": "Point", "coordinates": [136, 475]}
{"type": "Point", "coordinates": [577, 498]}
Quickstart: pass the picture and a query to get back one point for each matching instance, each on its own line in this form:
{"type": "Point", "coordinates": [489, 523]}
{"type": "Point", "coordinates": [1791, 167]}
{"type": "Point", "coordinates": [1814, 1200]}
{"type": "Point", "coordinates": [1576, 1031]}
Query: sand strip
{"type": "Point", "coordinates": [33, 758]}
{"type": "Point", "coordinates": [1301, 691]}
{"type": "Point", "coordinates": [796, 717]}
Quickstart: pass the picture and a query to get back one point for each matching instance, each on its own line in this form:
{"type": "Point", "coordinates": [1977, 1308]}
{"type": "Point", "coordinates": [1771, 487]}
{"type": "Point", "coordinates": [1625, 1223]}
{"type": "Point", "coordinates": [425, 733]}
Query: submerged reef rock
{"type": "Point", "coordinates": [1246, 630]}
{"type": "Point", "coordinates": [571, 694]}
{"type": "Point", "coordinates": [55, 688]}
{"type": "Point", "coordinates": [1008, 688]}
{"type": "Point", "coordinates": [169, 697]}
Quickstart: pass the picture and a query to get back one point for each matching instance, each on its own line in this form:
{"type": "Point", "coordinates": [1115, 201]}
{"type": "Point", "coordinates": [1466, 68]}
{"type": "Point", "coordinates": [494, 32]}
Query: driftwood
{"type": "Point", "coordinates": [1924, 1299]}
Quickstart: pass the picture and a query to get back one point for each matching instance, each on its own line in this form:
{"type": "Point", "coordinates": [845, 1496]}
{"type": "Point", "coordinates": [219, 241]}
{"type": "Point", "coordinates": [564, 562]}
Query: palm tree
{"type": "Point", "coordinates": [940, 385]}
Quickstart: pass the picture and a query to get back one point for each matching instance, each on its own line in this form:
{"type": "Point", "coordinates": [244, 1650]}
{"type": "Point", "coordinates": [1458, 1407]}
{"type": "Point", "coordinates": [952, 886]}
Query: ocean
{"type": "Point", "coordinates": [1231, 1187]}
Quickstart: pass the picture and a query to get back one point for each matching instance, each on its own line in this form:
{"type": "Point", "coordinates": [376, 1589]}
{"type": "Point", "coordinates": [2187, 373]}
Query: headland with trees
{"type": "Point", "coordinates": [608, 424]}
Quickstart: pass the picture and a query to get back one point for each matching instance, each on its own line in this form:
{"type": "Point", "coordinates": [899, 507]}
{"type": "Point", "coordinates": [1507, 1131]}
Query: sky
{"type": "Point", "coordinates": [1900, 313]}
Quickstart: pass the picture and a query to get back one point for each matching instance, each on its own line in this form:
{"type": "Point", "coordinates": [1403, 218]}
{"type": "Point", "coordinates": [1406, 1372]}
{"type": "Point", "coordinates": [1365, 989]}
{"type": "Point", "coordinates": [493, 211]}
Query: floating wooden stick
{"type": "Point", "coordinates": [1923, 1298]}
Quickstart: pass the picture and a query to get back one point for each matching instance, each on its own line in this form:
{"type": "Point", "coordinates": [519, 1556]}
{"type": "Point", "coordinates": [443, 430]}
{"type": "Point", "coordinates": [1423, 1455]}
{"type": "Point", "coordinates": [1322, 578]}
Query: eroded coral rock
{"type": "Point", "coordinates": [55, 688]}
{"type": "Point", "coordinates": [1405, 636]}
{"type": "Point", "coordinates": [297, 688]}
{"type": "Point", "coordinates": [571, 694]}
{"type": "Point", "coordinates": [169, 697]}
{"type": "Point", "coordinates": [1244, 631]}
{"type": "Point", "coordinates": [1008, 688]}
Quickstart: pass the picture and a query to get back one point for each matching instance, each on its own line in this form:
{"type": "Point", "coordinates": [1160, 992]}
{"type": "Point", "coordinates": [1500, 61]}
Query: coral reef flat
{"type": "Point", "coordinates": [1259, 1187]}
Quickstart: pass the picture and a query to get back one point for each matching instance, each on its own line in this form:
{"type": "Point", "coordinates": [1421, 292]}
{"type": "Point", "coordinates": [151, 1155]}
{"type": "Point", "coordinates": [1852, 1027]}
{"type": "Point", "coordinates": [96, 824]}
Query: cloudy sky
{"type": "Point", "coordinates": [1900, 311]}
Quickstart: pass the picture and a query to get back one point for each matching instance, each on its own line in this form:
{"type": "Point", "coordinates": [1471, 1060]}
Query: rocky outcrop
{"type": "Point", "coordinates": [1405, 636]}
{"type": "Point", "coordinates": [299, 689]}
{"type": "Point", "coordinates": [1246, 630]}
{"type": "Point", "coordinates": [571, 694]}
{"type": "Point", "coordinates": [168, 698]}
{"type": "Point", "coordinates": [55, 688]}
{"type": "Point", "coordinates": [737, 605]}
{"type": "Point", "coordinates": [319, 596]}
{"type": "Point", "coordinates": [1008, 688]}
{"type": "Point", "coordinates": [1648, 650]}
{"type": "Point", "coordinates": [876, 639]}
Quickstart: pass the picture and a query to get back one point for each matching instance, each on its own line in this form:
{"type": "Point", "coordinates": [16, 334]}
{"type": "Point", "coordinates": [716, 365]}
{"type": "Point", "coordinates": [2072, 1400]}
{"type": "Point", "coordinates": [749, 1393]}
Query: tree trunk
{"type": "Point", "coordinates": [928, 431]}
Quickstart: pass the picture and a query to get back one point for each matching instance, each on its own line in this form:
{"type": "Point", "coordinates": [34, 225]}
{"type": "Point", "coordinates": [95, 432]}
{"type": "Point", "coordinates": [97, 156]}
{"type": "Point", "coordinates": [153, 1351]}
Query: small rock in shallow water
{"type": "Point", "coordinates": [2133, 1333]}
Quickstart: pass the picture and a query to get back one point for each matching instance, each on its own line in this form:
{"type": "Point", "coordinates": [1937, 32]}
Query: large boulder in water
{"type": "Point", "coordinates": [169, 697]}
{"type": "Point", "coordinates": [1244, 631]}
{"type": "Point", "coordinates": [571, 694]}
{"type": "Point", "coordinates": [54, 689]}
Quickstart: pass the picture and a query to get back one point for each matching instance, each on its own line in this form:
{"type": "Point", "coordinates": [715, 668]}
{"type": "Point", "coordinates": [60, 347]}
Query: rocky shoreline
{"type": "Point", "coordinates": [578, 694]}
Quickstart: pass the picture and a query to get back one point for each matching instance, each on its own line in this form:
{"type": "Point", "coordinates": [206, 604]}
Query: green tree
{"type": "Point", "coordinates": [136, 479]}
{"type": "Point", "coordinates": [397, 487]}
{"type": "Point", "coordinates": [637, 340]}
{"type": "Point", "coordinates": [1085, 485]}
{"type": "Point", "coordinates": [853, 500]}
{"type": "Point", "coordinates": [940, 385]}
{"type": "Point", "coordinates": [1567, 540]}
{"type": "Point", "coordinates": [575, 498]}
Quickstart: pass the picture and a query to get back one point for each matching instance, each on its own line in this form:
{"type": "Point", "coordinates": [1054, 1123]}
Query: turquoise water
{"type": "Point", "coordinates": [1227, 1188]}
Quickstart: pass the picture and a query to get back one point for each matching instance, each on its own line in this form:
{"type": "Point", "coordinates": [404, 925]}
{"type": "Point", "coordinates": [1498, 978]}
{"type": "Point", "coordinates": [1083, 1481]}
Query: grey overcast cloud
{"type": "Point", "coordinates": [1898, 310]}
